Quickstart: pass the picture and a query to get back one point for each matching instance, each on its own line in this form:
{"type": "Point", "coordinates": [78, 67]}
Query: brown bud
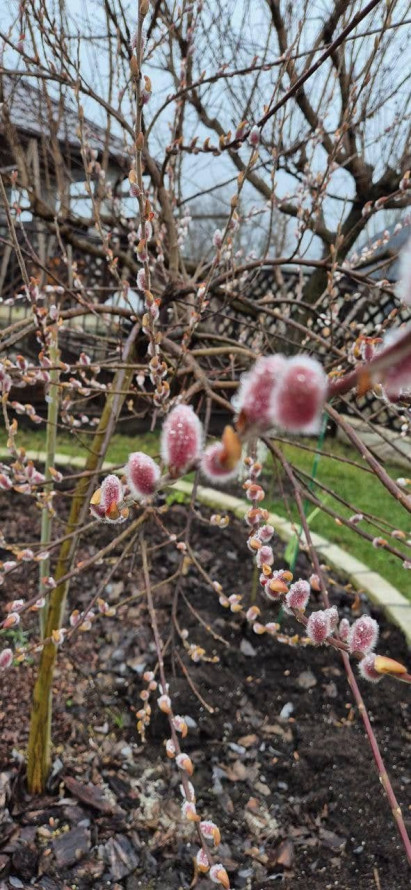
{"type": "Point", "coordinates": [384, 665]}
{"type": "Point", "coordinates": [140, 141]}
{"type": "Point", "coordinates": [134, 66]}
{"type": "Point", "coordinates": [96, 498]}
{"type": "Point", "coordinates": [144, 6]}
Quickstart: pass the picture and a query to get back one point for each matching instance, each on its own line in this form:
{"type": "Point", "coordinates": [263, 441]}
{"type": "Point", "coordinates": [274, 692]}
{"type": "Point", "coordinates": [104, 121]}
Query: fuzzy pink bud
{"type": "Point", "coordinates": [254, 136]}
{"type": "Point", "coordinates": [5, 482]}
{"type": "Point", "coordinates": [212, 467]}
{"type": "Point", "coordinates": [141, 280]}
{"type": "Point", "coordinates": [181, 439]}
{"type": "Point", "coordinates": [363, 635]}
{"type": "Point", "coordinates": [298, 400]}
{"type": "Point", "coordinates": [188, 809]}
{"type": "Point", "coordinates": [396, 380]}
{"type": "Point", "coordinates": [344, 629]}
{"type": "Point", "coordinates": [318, 627]}
{"type": "Point", "coordinates": [332, 614]}
{"type": "Point", "coordinates": [184, 762]}
{"type": "Point", "coordinates": [217, 238]}
{"type": "Point", "coordinates": [111, 492]}
{"type": "Point", "coordinates": [142, 474]}
{"type": "Point", "coordinates": [211, 831]}
{"type": "Point", "coordinates": [219, 875]}
{"type": "Point", "coordinates": [203, 864]}
{"type": "Point", "coordinates": [254, 397]}
{"type": "Point", "coordinates": [180, 725]}
{"type": "Point", "coordinates": [265, 556]}
{"type": "Point", "coordinates": [164, 703]}
{"type": "Point", "coordinates": [12, 620]}
{"type": "Point", "coordinates": [6, 659]}
{"type": "Point", "coordinates": [297, 596]}
{"type": "Point", "coordinates": [265, 533]}
{"type": "Point", "coordinates": [404, 285]}
{"type": "Point", "coordinates": [367, 669]}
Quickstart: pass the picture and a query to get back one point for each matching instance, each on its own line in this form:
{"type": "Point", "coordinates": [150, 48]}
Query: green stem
{"type": "Point", "coordinates": [39, 744]}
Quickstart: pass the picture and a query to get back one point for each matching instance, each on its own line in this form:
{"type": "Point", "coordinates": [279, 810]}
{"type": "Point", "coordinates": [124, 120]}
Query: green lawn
{"type": "Point", "coordinates": [366, 494]}
{"type": "Point", "coordinates": [354, 484]}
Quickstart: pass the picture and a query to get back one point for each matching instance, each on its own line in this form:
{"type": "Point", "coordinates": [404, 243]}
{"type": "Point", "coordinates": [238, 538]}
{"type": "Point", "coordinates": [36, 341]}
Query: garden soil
{"type": "Point", "coordinates": [281, 761]}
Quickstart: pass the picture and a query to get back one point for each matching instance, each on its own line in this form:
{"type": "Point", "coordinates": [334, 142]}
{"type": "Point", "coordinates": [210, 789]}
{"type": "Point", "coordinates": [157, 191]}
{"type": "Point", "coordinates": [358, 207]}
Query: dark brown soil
{"type": "Point", "coordinates": [282, 764]}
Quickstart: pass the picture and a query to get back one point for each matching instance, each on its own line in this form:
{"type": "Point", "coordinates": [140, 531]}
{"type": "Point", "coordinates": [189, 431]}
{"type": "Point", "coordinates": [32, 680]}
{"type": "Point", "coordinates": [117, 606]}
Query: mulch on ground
{"type": "Point", "coordinates": [281, 763]}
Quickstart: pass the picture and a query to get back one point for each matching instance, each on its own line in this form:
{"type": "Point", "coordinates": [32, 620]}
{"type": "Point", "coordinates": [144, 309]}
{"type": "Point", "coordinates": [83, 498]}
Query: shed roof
{"type": "Point", "coordinates": [29, 112]}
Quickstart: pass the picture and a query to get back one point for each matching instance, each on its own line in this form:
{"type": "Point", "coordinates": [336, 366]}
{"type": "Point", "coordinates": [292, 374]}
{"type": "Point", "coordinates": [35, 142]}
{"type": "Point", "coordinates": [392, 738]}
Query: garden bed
{"type": "Point", "coordinates": [281, 765]}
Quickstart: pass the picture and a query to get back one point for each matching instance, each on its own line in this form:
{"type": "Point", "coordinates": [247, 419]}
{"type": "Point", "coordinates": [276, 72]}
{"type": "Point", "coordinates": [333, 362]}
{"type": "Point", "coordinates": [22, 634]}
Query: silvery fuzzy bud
{"type": "Point", "coordinates": [318, 627]}
{"type": "Point", "coordinates": [217, 238]}
{"type": "Point", "coordinates": [367, 669]}
{"type": "Point", "coordinates": [344, 629]}
{"type": "Point", "coordinates": [212, 467]}
{"type": "Point", "coordinates": [297, 596]}
{"type": "Point", "coordinates": [219, 875]}
{"type": "Point", "coordinates": [164, 703]}
{"type": "Point", "coordinates": [265, 533]}
{"type": "Point", "coordinates": [333, 616]}
{"type": "Point", "coordinates": [211, 831]}
{"type": "Point", "coordinates": [141, 280]}
{"type": "Point", "coordinates": [265, 556]}
{"type": "Point", "coordinates": [185, 763]}
{"type": "Point", "coordinates": [254, 136]}
{"type": "Point", "coordinates": [202, 862]}
{"type": "Point", "coordinates": [180, 725]}
{"type": "Point", "coordinates": [188, 809]}
{"type": "Point", "coordinates": [111, 492]}
{"type": "Point", "coordinates": [363, 635]}
{"type": "Point", "coordinates": [6, 659]}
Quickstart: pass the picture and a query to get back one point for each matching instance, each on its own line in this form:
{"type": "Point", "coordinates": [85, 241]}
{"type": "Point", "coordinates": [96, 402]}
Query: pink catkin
{"type": "Point", "coordinates": [363, 635]}
{"type": "Point", "coordinates": [181, 438]}
{"type": "Point", "coordinates": [256, 390]}
{"type": "Point", "coordinates": [396, 380]}
{"type": "Point", "coordinates": [318, 627]}
{"type": "Point", "coordinates": [404, 286]}
{"type": "Point", "coordinates": [6, 659]}
{"type": "Point", "coordinates": [142, 474]}
{"type": "Point", "coordinates": [111, 492]}
{"type": "Point", "coordinates": [367, 669]}
{"type": "Point", "coordinates": [265, 556]}
{"type": "Point", "coordinates": [298, 400]}
{"type": "Point", "coordinates": [297, 596]}
{"type": "Point", "coordinates": [211, 466]}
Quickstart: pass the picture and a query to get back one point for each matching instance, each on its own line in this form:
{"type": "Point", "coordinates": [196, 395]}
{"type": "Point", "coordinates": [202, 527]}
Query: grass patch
{"type": "Point", "coordinates": [359, 488]}
{"type": "Point", "coordinates": [354, 484]}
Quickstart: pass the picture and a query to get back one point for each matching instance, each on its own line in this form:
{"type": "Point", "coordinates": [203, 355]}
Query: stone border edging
{"type": "Point", "coordinates": [360, 575]}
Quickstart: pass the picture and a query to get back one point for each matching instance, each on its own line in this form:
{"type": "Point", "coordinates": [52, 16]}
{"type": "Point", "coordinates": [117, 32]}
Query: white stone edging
{"type": "Point", "coordinates": [378, 590]}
